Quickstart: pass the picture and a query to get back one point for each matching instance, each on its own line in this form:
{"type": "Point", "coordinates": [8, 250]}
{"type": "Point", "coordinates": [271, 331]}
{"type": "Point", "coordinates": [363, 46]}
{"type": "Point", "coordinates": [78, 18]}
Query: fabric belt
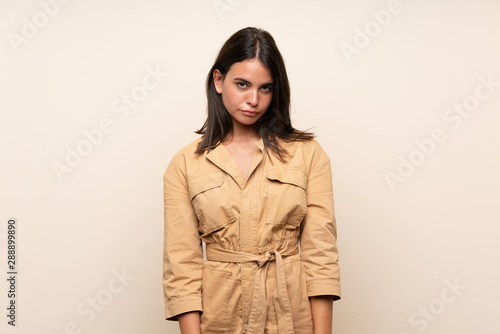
{"type": "Point", "coordinates": [258, 305]}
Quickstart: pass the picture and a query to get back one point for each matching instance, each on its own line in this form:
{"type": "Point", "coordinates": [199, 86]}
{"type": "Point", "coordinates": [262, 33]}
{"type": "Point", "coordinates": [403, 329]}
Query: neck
{"type": "Point", "coordinates": [242, 134]}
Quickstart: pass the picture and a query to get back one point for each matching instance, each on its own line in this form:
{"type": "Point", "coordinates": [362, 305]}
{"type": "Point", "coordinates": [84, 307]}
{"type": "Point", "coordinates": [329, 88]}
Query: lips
{"type": "Point", "coordinates": [249, 112]}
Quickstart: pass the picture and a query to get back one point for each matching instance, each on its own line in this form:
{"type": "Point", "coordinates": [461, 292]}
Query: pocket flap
{"type": "Point", "coordinates": [204, 182]}
{"type": "Point", "coordinates": [292, 176]}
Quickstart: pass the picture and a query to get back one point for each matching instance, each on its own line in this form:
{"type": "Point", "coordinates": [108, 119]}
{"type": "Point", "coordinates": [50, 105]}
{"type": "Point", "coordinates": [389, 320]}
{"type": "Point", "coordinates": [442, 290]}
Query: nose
{"type": "Point", "coordinates": [253, 97]}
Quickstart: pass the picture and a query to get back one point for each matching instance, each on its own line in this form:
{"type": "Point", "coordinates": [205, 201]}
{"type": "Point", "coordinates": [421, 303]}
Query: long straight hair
{"type": "Point", "coordinates": [251, 43]}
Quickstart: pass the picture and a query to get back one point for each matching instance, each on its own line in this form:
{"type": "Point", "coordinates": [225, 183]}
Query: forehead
{"type": "Point", "coordinates": [251, 70]}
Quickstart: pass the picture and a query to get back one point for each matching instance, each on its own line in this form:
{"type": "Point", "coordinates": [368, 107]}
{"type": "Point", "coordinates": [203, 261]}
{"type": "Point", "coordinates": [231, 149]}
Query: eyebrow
{"type": "Point", "coordinates": [248, 82]}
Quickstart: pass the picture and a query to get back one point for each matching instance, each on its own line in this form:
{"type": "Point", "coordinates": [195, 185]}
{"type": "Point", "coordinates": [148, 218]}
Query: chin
{"type": "Point", "coordinates": [247, 122]}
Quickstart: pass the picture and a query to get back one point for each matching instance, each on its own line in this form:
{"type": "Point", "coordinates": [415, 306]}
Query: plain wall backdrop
{"type": "Point", "coordinates": [97, 96]}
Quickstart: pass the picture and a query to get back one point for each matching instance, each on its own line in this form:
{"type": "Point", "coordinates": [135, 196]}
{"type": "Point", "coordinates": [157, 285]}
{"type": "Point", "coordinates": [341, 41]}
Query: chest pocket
{"type": "Point", "coordinates": [210, 201]}
{"type": "Point", "coordinates": [286, 196]}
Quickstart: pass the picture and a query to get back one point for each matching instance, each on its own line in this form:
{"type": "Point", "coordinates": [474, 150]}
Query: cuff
{"type": "Point", "coordinates": [180, 305]}
{"type": "Point", "coordinates": [322, 287]}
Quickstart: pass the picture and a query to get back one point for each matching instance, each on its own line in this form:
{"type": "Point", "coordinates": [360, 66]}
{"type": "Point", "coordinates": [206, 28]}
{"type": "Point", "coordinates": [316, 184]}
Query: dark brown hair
{"type": "Point", "coordinates": [251, 43]}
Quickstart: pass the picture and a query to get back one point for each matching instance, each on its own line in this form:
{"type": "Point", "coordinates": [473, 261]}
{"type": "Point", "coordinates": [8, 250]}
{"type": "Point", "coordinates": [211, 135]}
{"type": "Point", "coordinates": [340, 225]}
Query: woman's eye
{"type": "Point", "coordinates": [241, 84]}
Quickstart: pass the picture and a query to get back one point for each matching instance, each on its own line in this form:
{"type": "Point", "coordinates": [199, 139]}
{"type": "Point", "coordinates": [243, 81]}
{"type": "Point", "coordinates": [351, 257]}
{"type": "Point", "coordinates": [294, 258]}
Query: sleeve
{"type": "Point", "coordinates": [318, 239]}
{"type": "Point", "coordinates": [182, 249]}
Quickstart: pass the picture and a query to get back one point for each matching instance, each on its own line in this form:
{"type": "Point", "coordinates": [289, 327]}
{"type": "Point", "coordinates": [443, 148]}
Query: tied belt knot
{"type": "Point", "coordinates": [258, 306]}
{"type": "Point", "coordinates": [266, 257]}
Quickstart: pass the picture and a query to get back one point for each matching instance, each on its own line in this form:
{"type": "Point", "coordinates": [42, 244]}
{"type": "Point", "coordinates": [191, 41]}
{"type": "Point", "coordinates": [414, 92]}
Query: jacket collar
{"type": "Point", "coordinates": [220, 157]}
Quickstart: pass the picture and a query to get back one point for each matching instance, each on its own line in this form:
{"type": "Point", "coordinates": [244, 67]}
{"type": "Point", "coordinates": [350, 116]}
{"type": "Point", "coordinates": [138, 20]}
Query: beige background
{"type": "Point", "coordinates": [401, 247]}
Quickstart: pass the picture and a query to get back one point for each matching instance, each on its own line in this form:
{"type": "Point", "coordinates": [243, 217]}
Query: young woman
{"type": "Point", "coordinates": [254, 189]}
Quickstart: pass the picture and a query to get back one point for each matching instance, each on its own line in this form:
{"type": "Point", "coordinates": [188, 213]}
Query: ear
{"type": "Point", "coordinates": [218, 81]}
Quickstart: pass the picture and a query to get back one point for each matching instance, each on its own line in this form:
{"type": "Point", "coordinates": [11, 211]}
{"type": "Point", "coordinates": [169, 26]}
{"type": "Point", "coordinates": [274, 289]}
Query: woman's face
{"type": "Point", "coordinates": [247, 91]}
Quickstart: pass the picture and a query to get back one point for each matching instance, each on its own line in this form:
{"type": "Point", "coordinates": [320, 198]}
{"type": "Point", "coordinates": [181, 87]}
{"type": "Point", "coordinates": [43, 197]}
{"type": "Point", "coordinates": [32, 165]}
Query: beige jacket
{"type": "Point", "coordinates": [254, 279]}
